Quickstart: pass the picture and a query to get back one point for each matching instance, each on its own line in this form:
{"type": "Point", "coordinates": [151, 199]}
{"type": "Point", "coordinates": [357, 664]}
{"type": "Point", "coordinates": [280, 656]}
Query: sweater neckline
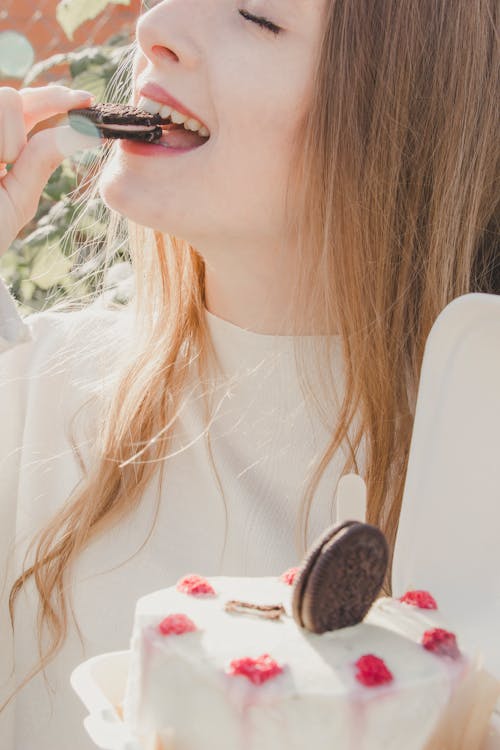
{"type": "Point", "coordinates": [240, 349]}
{"type": "Point", "coordinates": [220, 327]}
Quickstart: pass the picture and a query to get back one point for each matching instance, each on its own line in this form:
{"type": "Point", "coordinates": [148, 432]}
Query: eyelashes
{"type": "Point", "coordinates": [258, 20]}
{"type": "Point", "coordinates": [262, 22]}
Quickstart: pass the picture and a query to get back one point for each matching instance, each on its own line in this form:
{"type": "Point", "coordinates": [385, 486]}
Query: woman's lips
{"type": "Point", "coordinates": [153, 91]}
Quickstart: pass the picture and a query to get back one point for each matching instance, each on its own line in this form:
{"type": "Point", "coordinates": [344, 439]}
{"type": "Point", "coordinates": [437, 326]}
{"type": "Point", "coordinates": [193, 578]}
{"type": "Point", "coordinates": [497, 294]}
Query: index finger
{"type": "Point", "coordinates": [42, 102]}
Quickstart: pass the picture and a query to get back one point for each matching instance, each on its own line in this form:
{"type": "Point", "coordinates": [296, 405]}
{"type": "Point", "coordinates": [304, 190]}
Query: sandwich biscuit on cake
{"type": "Point", "coordinates": [340, 578]}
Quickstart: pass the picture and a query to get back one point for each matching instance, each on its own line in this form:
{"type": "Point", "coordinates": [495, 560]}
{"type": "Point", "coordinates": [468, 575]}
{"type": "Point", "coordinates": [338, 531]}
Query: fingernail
{"type": "Point", "coordinates": [80, 94]}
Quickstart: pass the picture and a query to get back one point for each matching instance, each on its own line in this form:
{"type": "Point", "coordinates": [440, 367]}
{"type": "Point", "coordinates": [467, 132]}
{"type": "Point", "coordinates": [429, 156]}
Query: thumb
{"type": "Point", "coordinates": [43, 153]}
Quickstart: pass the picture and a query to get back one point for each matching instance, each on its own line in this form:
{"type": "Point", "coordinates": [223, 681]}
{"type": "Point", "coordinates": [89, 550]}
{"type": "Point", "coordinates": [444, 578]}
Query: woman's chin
{"type": "Point", "coordinates": [133, 203]}
{"type": "Point", "coordinates": [120, 191]}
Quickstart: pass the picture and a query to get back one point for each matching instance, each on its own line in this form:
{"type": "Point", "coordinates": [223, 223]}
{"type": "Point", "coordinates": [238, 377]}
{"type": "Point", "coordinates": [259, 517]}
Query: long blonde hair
{"type": "Point", "coordinates": [395, 213]}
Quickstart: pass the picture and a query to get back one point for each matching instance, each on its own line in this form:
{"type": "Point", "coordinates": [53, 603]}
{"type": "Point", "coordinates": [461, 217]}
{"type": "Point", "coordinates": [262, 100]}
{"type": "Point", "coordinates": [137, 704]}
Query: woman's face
{"type": "Point", "coordinates": [251, 87]}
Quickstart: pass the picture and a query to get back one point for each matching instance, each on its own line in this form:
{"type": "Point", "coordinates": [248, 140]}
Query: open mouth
{"type": "Point", "coordinates": [179, 129]}
{"type": "Point", "coordinates": [177, 136]}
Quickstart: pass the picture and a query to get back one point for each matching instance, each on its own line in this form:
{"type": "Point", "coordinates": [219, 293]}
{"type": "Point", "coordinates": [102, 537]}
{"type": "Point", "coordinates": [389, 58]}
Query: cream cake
{"type": "Point", "coordinates": [223, 663]}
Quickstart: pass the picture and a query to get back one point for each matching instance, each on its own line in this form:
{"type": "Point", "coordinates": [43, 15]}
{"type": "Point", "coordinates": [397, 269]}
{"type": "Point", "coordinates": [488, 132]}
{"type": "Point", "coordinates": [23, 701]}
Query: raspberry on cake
{"type": "Point", "coordinates": [372, 671]}
{"type": "Point", "coordinates": [289, 576]}
{"type": "Point", "coordinates": [257, 670]}
{"type": "Point", "coordinates": [422, 599]}
{"type": "Point", "coordinates": [177, 624]}
{"type": "Point", "coordinates": [441, 642]}
{"type": "Point", "coordinates": [195, 585]}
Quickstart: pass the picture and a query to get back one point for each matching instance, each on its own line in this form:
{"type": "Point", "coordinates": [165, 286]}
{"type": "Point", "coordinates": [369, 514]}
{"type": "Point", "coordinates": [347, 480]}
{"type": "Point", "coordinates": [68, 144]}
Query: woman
{"type": "Point", "coordinates": [287, 274]}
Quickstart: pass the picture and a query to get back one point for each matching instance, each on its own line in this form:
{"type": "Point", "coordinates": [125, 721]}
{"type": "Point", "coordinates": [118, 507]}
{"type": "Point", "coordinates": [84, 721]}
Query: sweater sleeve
{"type": "Point", "coordinates": [15, 338]}
{"type": "Point", "coordinates": [13, 329]}
{"type": "Point", "coordinates": [44, 368]}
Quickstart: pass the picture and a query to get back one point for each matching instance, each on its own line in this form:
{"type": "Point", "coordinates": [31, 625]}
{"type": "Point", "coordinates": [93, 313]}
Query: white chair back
{"type": "Point", "coordinates": [448, 540]}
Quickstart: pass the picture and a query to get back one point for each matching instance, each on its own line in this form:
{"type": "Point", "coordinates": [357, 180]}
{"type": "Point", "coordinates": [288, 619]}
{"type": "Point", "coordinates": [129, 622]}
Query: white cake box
{"type": "Point", "coordinates": [449, 534]}
{"type": "Point", "coordinates": [100, 684]}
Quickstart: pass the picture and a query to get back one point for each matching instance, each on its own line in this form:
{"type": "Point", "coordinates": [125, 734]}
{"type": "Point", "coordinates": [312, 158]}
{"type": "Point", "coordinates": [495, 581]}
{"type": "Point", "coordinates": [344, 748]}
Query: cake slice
{"type": "Point", "coordinates": [227, 664]}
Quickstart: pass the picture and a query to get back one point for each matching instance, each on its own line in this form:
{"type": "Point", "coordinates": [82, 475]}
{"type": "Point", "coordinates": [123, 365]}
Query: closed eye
{"type": "Point", "coordinates": [262, 22]}
{"type": "Point", "coordinates": [259, 20]}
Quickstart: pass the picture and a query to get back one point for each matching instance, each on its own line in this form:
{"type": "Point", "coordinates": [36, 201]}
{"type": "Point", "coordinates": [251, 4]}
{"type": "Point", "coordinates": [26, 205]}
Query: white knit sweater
{"type": "Point", "coordinates": [263, 440]}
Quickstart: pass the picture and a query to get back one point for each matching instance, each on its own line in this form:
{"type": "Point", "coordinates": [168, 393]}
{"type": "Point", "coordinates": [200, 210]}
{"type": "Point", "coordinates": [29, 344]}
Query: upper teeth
{"type": "Point", "coordinates": [166, 112]}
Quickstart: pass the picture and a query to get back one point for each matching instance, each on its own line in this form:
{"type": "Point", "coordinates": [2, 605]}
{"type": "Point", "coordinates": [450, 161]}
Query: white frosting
{"type": "Point", "coordinates": [181, 683]}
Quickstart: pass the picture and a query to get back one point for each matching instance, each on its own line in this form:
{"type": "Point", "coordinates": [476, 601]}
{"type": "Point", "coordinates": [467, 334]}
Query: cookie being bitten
{"type": "Point", "coordinates": [134, 124]}
{"type": "Point", "coordinates": [117, 121]}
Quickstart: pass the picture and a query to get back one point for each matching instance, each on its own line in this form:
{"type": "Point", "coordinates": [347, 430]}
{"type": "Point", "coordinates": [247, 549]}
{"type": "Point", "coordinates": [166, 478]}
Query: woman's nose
{"type": "Point", "coordinates": [170, 32]}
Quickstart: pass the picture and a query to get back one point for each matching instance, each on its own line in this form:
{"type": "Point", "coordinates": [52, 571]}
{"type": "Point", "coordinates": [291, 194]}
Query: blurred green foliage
{"type": "Point", "coordinates": [41, 267]}
{"type": "Point", "coordinates": [72, 13]}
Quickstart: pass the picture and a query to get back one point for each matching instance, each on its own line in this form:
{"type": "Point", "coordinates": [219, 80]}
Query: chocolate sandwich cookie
{"type": "Point", "coordinates": [340, 578]}
{"type": "Point", "coordinates": [117, 121]}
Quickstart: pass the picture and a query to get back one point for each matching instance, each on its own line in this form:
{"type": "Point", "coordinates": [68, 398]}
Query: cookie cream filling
{"type": "Point", "coordinates": [130, 128]}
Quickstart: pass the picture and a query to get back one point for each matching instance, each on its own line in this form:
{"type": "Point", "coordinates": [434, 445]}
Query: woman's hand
{"type": "Point", "coordinates": [35, 159]}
